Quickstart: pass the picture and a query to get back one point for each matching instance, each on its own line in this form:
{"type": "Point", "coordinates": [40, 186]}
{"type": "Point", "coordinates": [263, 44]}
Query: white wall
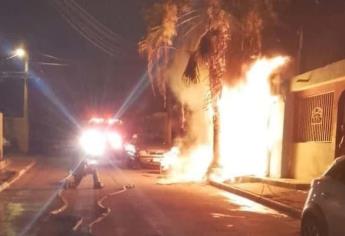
{"type": "Point", "coordinates": [276, 129]}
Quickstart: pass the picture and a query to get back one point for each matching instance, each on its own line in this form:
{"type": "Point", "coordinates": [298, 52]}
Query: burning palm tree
{"type": "Point", "coordinates": [211, 50]}
{"type": "Point", "coordinates": [217, 19]}
{"type": "Point", "coordinates": [162, 21]}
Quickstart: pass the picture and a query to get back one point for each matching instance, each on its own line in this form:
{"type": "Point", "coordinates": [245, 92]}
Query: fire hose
{"type": "Point", "coordinates": [105, 210]}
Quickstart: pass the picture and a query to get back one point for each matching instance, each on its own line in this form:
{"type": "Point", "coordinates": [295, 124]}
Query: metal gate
{"type": "Point", "coordinates": [313, 118]}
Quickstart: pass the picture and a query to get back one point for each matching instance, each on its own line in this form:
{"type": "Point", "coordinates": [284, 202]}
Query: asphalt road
{"type": "Point", "coordinates": [132, 203]}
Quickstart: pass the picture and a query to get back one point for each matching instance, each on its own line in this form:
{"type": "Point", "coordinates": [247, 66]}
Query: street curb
{"type": "Point", "coordinates": [296, 186]}
{"type": "Point", "coordinates": [286, 209]}
{"type": "Point", "coordinates": [7, 184]}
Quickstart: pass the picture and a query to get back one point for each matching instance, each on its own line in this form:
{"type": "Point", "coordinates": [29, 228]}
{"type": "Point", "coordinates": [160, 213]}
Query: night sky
{"type": "Point", "coordinates": [95, 81]}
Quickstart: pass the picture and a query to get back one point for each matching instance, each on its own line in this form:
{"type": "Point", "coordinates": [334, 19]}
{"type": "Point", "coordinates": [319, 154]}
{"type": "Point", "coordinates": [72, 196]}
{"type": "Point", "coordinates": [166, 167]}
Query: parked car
{"type": "Point", "coordinates": [324, 210]}
{"type": "Point", "coordinates": [150, 150]}
{"type": "Point", "coordinates": [152, 155]}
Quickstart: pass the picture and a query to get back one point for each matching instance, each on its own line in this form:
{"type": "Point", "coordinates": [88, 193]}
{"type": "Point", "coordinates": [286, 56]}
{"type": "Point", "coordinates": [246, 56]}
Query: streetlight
{"type": "Point", "coordinates": [20, 52]}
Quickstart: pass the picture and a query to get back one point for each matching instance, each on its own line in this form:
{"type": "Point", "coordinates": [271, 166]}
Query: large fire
{"type": "Point", "coordinates": [250, 126]}
{"type": "Point", "coordinates": [247, 114]}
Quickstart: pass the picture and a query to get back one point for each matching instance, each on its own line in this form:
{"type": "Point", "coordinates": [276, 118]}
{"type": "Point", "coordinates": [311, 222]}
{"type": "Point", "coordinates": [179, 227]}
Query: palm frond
{"type": "Point", "coordinates": [188, 20]}
{"type": "Point", "coordinates": [186, 33]}
{"type": "Point", "coordinates": [188, 13]}
{"type": "Point", "coordinates": [191, 73]}
{"type": "Point", "coordinates": [206, 45]}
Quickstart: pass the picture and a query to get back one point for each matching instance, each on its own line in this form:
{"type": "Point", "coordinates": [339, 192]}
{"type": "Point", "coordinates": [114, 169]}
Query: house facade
{"type": "Point", "coordinates": [314, 115]}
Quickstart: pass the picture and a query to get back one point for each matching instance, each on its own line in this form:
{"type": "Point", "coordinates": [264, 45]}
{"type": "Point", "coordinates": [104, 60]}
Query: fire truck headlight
{"type": "Point", "coordinates": [115, 140]}
{"type": "Point", "coordinates": [93, 142]}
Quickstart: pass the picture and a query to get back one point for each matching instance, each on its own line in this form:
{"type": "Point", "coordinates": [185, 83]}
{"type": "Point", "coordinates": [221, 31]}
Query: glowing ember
{"type": "Point", "coordinates": [250, 126]}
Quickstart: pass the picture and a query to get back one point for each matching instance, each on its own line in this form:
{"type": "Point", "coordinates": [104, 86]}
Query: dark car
{"type": "Point", "coordinates": [324, 210]}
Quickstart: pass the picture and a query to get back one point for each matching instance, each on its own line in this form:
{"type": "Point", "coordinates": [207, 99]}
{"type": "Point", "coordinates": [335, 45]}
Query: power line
{"type": "Point", "coordinates": [88, 27]}
{"type": "Point", "coordinates": [81, 30]}
{"type": "Point", "coordinates": [98, 26]}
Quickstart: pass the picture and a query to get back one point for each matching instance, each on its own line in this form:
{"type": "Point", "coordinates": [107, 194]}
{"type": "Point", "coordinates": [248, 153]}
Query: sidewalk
{"type": "Point", "coordinates": [284, 195]}
{"type": "Point", "coordinates": [14, 167]}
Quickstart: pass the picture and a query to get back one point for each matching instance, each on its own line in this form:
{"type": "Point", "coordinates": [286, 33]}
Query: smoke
{"type": "Point", "coordinates": [192, 154]}
{"type": "Point", "coordinates": [194, 99]}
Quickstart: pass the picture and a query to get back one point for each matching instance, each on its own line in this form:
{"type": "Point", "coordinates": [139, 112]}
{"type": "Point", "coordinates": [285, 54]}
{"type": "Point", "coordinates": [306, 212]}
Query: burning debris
{"type": "Point", "coordinates": [188, 166]}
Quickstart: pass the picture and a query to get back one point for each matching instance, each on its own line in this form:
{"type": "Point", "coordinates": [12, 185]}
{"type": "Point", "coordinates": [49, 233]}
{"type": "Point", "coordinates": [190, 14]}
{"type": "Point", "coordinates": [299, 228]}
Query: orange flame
{"type": "Point", "coordinates": [247, 120]}
{"type": "Point", "coordinates": [188, 167]}
{"type": "Point", "coordinates": [250, 125]}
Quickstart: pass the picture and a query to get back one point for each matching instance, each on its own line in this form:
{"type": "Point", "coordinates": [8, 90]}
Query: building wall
{"type": "Point", "coordinates": [277, 126]}
{"type": "Point", "coordinates": [313, 144]}
{"type": "Point", "coordinates": [17, 132]}
{"type": "Point", "coordinates": [309, 155]}
{"type": "Point", "coordinates": [311, 159]}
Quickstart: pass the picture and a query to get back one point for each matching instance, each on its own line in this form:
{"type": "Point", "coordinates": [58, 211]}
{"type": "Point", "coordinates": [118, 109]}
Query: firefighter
{"type": "Point", "coordinates": [83, 170]}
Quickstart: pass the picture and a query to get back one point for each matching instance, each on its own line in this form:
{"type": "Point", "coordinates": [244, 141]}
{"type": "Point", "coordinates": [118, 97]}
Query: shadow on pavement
{"type": "Point", "coordinates": [61, 225]}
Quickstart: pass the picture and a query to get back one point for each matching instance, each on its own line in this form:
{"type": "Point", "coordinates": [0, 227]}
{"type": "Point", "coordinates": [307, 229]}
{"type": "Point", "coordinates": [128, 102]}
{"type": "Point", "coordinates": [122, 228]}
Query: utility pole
{"type": "Point", "coordinates": [300, 49]}
{"type": "Point", "coordinates": [21, 124]}
{"type": "Point", "coordinates": [26, 105]}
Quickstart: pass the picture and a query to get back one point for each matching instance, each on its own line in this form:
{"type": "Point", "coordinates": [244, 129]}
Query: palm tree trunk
{"type": "Point", "coordinates": [216, 137]}
{"type": "Point", "coordinates": [216, 145]}
{"type": "Point", "coordinates": [169, 104]}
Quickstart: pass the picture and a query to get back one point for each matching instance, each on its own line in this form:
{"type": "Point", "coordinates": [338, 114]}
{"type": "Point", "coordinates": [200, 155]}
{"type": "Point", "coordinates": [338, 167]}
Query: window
{"type": "Point", "coordinates": [313, 118]}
